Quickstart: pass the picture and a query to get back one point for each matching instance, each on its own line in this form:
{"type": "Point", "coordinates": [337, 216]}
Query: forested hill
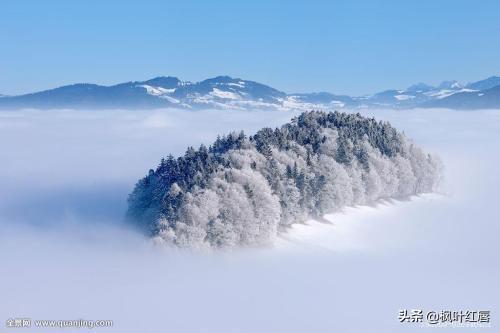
{"type": "Point", "coordinates": [242, 190]}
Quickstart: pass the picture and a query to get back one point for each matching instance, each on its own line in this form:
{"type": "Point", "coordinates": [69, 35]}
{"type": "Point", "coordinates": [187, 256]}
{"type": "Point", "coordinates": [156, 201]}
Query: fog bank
{"type": "Point", "coordinates": [65, 176]}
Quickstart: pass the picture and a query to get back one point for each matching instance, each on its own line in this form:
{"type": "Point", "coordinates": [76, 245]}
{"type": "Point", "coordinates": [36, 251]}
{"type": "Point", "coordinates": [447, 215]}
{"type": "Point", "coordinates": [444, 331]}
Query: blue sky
{"type": "Point", "coordinates": [353, 47]}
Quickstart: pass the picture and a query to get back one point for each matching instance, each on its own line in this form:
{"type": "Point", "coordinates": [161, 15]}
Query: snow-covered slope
{"type": "Point", "coordinates": [224, 92]}
{"type": "Point", "coordinates": [468, 99]}
{"type": "Point", "coordinates": [491, 82]}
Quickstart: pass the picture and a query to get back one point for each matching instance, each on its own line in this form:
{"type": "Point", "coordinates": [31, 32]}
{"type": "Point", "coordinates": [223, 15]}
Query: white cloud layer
{"type": "Point", "coordinates": [65, 176]}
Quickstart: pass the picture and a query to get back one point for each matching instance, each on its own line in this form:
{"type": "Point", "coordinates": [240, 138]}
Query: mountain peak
{"type": "Point", "coordinates": [163, 81]}
{"type": "Point", "coordinates": [450, 85]}
{"type": "Point", "coordinates": [488, 83]}
{"type": "Point", "coordinates": [226, 92]}
{"type": "Point", "coordinates": [420, 87]}
{"type": "Point", "coordinates": [222, 79]}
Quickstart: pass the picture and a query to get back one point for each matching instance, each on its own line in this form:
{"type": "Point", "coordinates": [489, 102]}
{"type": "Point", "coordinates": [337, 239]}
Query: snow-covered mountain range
{"type": "Point", "coordinates": [224, 92]}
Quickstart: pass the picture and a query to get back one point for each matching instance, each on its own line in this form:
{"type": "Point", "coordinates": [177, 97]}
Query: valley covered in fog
{"type": "Point", "coordinates": [65, 177]}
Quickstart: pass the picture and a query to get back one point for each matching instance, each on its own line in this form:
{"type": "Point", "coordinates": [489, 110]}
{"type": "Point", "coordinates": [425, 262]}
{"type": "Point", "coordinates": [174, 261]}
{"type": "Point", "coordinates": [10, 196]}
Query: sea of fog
{"type": "Point", "coordinates": [66, 254]}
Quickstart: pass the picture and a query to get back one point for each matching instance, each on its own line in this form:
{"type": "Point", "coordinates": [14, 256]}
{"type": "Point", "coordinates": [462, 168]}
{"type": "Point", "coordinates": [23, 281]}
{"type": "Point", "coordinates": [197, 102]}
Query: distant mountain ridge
{"type": "Point", "coordinates": [225, 92]}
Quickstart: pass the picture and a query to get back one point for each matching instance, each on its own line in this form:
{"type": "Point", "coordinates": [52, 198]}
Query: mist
{"type": "Point", "coordinates": [67, 254]}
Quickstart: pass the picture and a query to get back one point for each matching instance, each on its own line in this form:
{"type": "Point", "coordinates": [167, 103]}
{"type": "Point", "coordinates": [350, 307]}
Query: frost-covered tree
{"type": "Point", "coordinates": [243, 190]}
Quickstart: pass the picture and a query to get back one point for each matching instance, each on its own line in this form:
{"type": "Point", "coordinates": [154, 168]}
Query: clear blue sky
{"type": "Point", "coordinates": [353, 47]}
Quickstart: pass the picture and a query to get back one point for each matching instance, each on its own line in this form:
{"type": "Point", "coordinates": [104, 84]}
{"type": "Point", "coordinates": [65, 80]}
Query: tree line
{"type": "Point", "coordinates": [243, 190]}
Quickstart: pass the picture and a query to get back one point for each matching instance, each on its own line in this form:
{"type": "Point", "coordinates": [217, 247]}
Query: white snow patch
{"type": "Point", "coordinates": [156, 91]}
{"type": "Point", "coordinates": [170, 99]}
{"type": "Point", "coordinates": [446, 92]}
{"type": "Point", "coordinates": [224, 94]}
{"type": "Point", "coordinates": [403, 97]}
{"type": "Point", "coordinates": [240, 84]}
